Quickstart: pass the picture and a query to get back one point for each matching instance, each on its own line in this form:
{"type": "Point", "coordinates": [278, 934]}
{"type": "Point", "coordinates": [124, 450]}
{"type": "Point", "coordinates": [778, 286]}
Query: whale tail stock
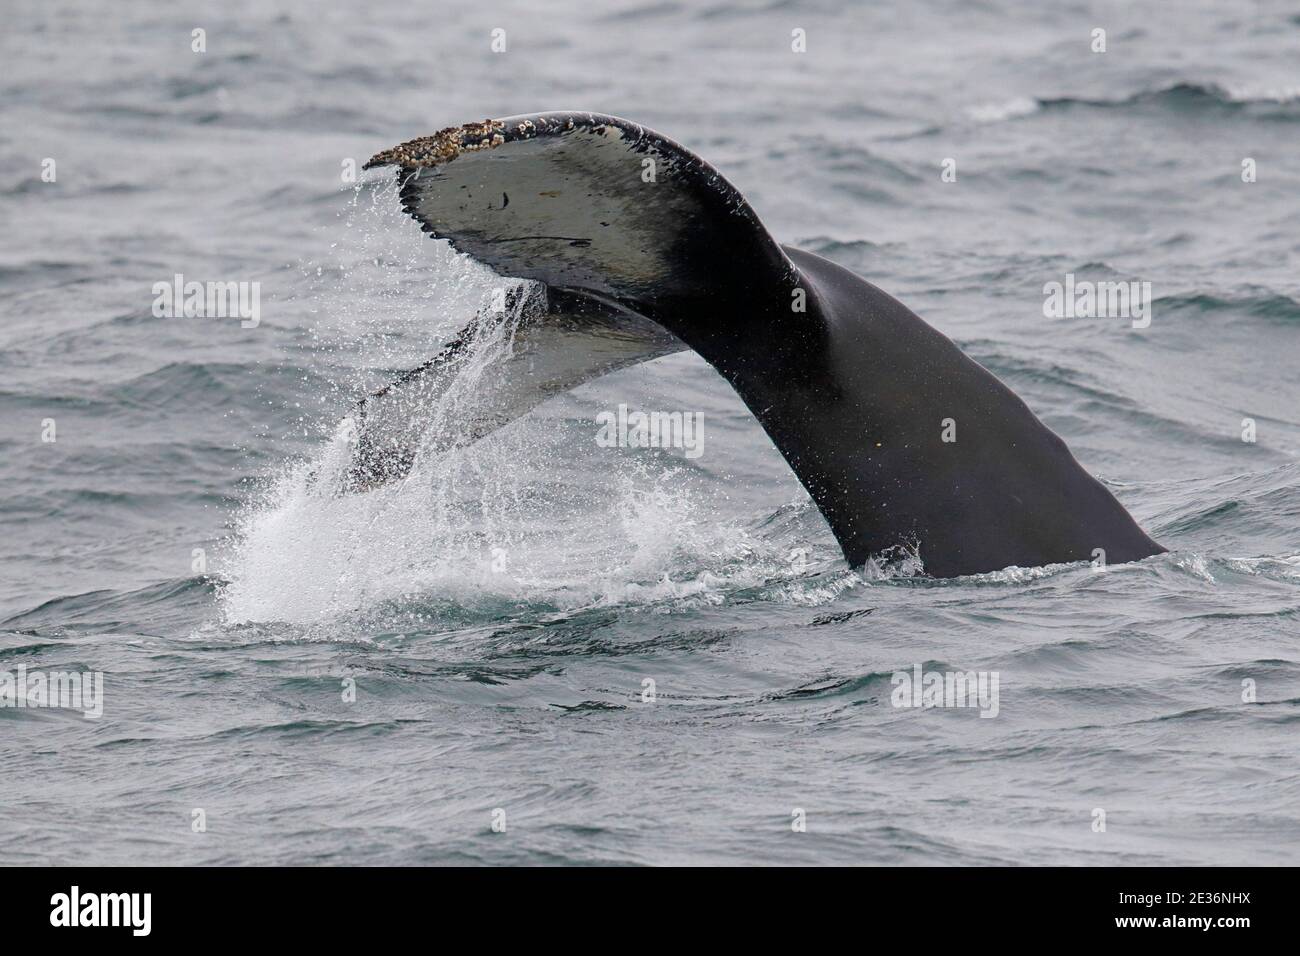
{"type": "Point", "coordinates": [642, 249]}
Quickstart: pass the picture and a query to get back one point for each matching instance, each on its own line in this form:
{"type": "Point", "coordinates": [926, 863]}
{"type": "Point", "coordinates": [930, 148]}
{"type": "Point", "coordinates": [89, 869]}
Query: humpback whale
{"type": "Point", "coordinates": [637, 248]}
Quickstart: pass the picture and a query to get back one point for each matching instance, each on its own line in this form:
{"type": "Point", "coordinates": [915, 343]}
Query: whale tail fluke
{"type": "Point", "coordinates": [556, 343]}
{"type": "Point", "coordinates": [625, 235]}
{"type": "Point", "coordinates": [591, 204]}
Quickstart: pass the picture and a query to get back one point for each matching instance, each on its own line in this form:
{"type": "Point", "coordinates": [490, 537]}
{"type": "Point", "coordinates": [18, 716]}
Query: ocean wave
{"type": "Point", "coordinates": [1190, 97]}
{"type": "Point", "coordinates": [861, 687]}
{"type": "Point", "coordinates": [114, 610]}
{"type": "Point", "coordinates": [1259, 302]}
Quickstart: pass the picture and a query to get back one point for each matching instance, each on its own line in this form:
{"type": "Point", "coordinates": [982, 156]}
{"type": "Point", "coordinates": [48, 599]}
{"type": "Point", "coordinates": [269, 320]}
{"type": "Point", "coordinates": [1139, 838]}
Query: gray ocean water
{"type": "Point", "coordinates": [497, 620]}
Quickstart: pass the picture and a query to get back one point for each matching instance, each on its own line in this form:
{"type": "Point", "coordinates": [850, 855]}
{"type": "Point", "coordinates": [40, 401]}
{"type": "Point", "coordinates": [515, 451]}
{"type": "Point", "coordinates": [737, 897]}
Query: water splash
{"type": "Point", "coordinates": [532, 515]}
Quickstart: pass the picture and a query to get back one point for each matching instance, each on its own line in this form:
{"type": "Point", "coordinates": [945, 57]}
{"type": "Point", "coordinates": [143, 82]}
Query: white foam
{"type": "Point", "coordinates": [306, 555]}
{"type": "Point", "coordinates": [1263, 94]}
{"type": "Point", "coordinates": [1007, 109]}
